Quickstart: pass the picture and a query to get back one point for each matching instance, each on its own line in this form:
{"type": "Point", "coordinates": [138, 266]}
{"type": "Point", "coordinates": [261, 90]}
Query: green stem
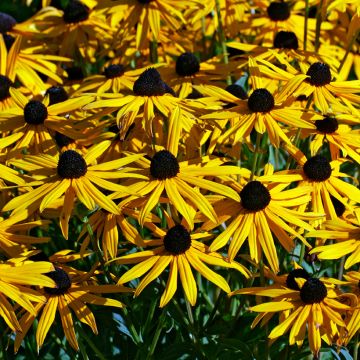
{"type": "Point", "coordinates": [98, 252]}
{"type": "Point", "coordinates": [306, 23]}
{"type": "Point", "coordinates": [154, 58]}
{"type": "Point", "coordinates": [214, 311]}
{"type": "Point", "coordinates": [356, 347]}
{"type": "Point", "coordinates": [341, 268]}
{"type": "Point", "coordinates": [90, 343]}
{"type": "Point", "coordinates": [256, 155]}
{"type": "Point", "coordinates": [302, 253]}
{"type": "Point", "coordinates": [158, 330]}
{"type": "Point", "coordinates": [131, 327]}
{"type": "Point", "coordinates": [318, 25]}
{"type": "Point", "coordinates": [189, 311]}
{"type": "Point", "coordinates": [222, 38]}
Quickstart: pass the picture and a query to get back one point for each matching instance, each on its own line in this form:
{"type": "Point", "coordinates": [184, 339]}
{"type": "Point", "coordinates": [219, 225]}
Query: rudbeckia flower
{"type": "Point", "coordinates": [182, 250]}
{"type": "Point", "coordinates": [262, 111]}
{"type": "Point", "coordinates": [15, 280]}
{"type": "Point", "coordinates": [264, 209]}
{"type": "Point", "coordinates": [324, 177]}
{"type": "Point", "coordinates": [72, 292]}
{"type": "Point", "coordinates": [353, 319]}
{"type": "Point", "coordinates": [317, 80]}
{"type": "Point", "coordinates": [150, 94]}
{"type": "Point", "coordinates": [115, 79]}
{"type": "Point", "coordinates": [12, 239]}
{"type": "Point", "coordinates": [147, 16]}
{"type": "Point", "coordinates": [178, 178]}
{"type": "Point", "coordinates": [72, 174]}
{"type": "Point", "coordinates": [188, 71]}
{"type": "Point", "coordinates": [32, 122]}
{"type": "Point", "coordinates": [273, 16]}
{"type": "Point", "coordinates": [346, 234]}
{"type": "Point", "coordinates": [334, 130]}
{"type": "Point", "coordinates": [79, 27]}
{"type": "Point", "coordinates": [304, 303]}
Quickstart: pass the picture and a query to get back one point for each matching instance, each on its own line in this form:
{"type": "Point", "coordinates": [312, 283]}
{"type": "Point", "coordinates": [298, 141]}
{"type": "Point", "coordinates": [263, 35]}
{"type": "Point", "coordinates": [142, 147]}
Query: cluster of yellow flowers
{"type": "Point", "coordinates": [174, 131]}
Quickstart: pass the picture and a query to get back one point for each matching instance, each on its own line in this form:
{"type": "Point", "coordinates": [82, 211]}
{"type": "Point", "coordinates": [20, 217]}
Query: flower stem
{"type": "Point", "coordinates": [306, 23]}
{"type": "Point", "coordinates": [356, 347]}
{"type": "Point", "coordinates": [341, 268]}
{"type": "Point", "coordinates": [318, 25]}
{"type": "Point", "coordinates": [156, 337]}
{"type": "Point", "coordinates": [154, 58]}
{"type": "Point", "coordinates": [222, 38]}
{"type": "Point", "coordinates": [131, 327]}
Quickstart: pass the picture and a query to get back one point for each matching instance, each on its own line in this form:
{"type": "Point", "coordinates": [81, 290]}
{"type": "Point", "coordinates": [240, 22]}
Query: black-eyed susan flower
{"type": "Point", "coordinates": [325, 179]}
{"type": "Point", "coordinates": [146, 16]}
{"type": "Point", "coordinates": [73, 292]}
{"type": "Point", "coordinates": [13, 240]}
{"type": "Point", "coordinates": [32, 122]}
{"type": "Point", "coordinates": [150, 95]}
{"type": "Point", "coordinates": [115, 79]}
{"type": "Point", "coordinates": [263, 210]}
{"type": "Point", "coordinates": [329, 94]}
{"type": "Point", "coordinates": [336, 131]}
{"type": "Point", "coordinates": [305, 302]}
{"type": "Point", "coordinates": [188, 71]}
{"type": "Point", "coordinates": [74, 175]}
{"type": "Point", "coordinates": [353, 318]}
{"type": "Point", "coordinates": [346, 234]}
{"type": "Point", "coordinates": [273, 16]}
{"type": "Point", "coordinates": [16, 279]}
{"type": "Point", "coordinates": [178, 178]}
{"type": "Point", "coordinates": [180, 249]}
{"type": "Point", "coordinates": [79, 27]}
{"type": "Point", "coordinates": [262, 111]}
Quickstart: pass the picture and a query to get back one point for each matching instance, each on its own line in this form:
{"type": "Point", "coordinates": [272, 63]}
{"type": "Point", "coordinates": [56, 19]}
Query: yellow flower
{"type": "Point", "coordinates": [72, 174]}
{"type": "Point", "coordinates": [305, 303]}
{"type": "Point", "coordinates": [73, 291]}
{"type": "Point", "coordinates": [16, 277]}
{"type": "Point", "coordinates": [180, 249]}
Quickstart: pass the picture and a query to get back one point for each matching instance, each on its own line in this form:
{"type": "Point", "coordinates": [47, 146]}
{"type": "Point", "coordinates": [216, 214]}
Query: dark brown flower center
{"type": "Point", "coordinates": [317, 168]}
{"type": "Point", "coordinates": [177, 240]}
{"type": "Point", "coordinates": [261, 101]}
{"type": "Point", "coordinates": [35, 112]}
{"type": "Point", "coordinates": [5, 84]}
{"type": "Point", "coordinates": [164, 165]}
{"type": "Point", "coordinates": [56, 94]}
{"type": "Point", "coordinates": [286, 40]}
{"type": "Point", "coordinates": [62, 281]}
{"type": "Point", "coordinates": [255, 196]}
{"type": "Point", "coordinates": [278, 11]}
{"type": "Point", "coordinates": [313, 291]}
{"type": "Point", "coordinates": [114, 70]}
{"type": "Point", "coordinates": [327, 126]}
{"type": "Point", "coordinates": [7, 22]}
{"type": "Point", "coordinates": [75, 12]}
{"type": "Point", "coordinates": [319, 74]}
{"type": "Point", "coordinates": [71, 165]}
{"type": "Point", "coordinates": [150, 83]}
{"type": "Point", "coordinates": [295, 274]}
{"type": "Point", "coordinates": [187, 64]}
